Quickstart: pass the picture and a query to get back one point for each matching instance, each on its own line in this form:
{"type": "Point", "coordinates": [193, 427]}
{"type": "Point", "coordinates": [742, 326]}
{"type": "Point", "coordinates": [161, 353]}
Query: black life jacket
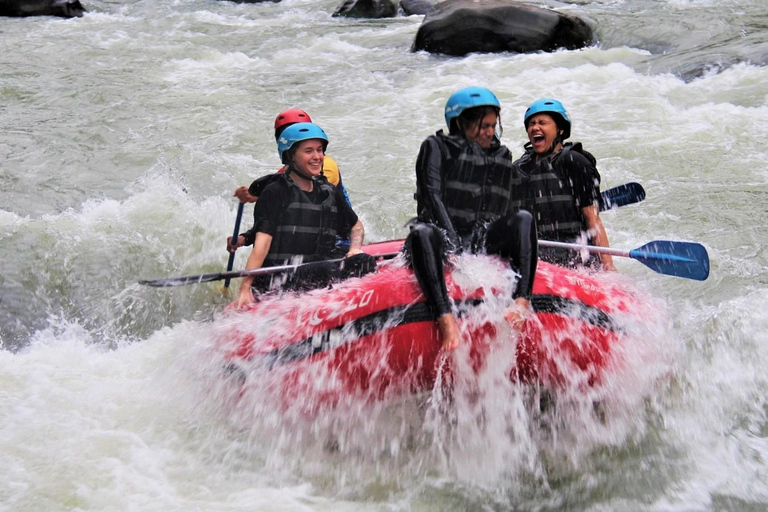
{"type": "Point", "coordinates": [477, 183]}
{"type": "Point", "coordinates": [306, 229]}
{"type": "Point", "coordinates": [550, 194]}
{"type": "Point", "coordinates": [554, 204]}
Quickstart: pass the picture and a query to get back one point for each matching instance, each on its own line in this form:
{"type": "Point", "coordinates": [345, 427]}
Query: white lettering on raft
{"type": "Point", "coordinates": [322, 314]}
{"type": "Point", "coordinates": [581, 283]}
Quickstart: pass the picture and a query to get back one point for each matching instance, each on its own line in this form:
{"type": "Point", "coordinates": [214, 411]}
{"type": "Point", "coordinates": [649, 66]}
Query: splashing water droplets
{"type": "Point", "coordinates": [385, 403]}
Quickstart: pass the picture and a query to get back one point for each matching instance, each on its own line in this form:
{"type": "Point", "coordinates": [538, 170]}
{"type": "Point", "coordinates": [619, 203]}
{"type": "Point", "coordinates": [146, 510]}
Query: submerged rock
{"type": "Point", "coordinates": [692, 63]}
{"type": "Point", "coordinates": [459, 27]}
{"type": "Point", "coordinates": [61, 8]}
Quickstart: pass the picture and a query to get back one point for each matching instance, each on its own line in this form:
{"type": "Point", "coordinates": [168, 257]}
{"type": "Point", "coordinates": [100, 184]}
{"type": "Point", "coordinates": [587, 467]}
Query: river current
{"type": "Point", "coordinates": [123, 135]}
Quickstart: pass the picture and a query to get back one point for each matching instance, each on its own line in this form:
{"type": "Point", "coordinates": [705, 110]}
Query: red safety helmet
{"type": "Point", "coordinates": [290, 116]}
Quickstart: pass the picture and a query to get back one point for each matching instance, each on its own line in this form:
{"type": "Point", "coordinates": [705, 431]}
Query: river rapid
{"type": "Point", "coordinates": [122, 137]}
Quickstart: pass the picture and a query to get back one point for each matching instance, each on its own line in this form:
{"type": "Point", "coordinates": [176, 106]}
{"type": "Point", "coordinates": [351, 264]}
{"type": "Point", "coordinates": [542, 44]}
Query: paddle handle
{"type": "Point", "coordinates": [590, 248]}
{"type": "Point", "coordinates": [218, 276]}
{"type": "Point", "coordinates": [236, 233]}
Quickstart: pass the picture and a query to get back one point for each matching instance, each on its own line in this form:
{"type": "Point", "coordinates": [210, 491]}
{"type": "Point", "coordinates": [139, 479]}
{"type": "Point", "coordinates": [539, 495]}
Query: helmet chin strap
{"type": "Point", "coordinates": [293, 168]}
{"type": "Point", "coordinates": [558, 140]}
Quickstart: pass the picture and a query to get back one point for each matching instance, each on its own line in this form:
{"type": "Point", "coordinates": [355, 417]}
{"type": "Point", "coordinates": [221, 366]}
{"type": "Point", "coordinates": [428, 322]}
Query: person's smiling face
{"type": "Point", "coordinates": [542, 130]}
{"type": "Point", "coordinates": [308, 157]}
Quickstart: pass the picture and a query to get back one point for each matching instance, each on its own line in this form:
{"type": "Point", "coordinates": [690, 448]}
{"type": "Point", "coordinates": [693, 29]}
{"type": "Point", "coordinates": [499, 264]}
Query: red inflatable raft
{"type": "Point", "coordinates": [374, 337]}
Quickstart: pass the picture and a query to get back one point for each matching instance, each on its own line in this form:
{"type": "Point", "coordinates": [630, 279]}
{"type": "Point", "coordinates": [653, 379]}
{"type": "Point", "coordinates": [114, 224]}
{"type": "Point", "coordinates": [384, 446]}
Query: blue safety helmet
{"type": "Point", "coordinates": [469, 97]}
{"type": "Point", "coordinates": [550, 106]}
{"type": "Point", "coordinates": [297, 133]}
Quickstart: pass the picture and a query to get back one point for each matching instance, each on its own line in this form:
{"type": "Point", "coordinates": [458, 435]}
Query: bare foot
{"type": "Point", "coordinates": [517, 314]}
{"type": "Point", "coordinates": [449, 331]}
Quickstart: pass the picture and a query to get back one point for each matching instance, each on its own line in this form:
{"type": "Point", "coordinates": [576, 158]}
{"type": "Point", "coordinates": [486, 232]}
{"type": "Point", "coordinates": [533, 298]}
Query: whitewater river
{"type": "Point", "coordinates": [122, 137]}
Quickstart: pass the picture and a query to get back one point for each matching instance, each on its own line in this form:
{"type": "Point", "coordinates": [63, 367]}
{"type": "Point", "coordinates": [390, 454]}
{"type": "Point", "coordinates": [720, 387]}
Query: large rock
{"type": "Point", "coordinates": [459, 27]}
{"type": "Point", "coordinates": [62, 8]}
{"type": "Point", "coordinates": [367, 9]}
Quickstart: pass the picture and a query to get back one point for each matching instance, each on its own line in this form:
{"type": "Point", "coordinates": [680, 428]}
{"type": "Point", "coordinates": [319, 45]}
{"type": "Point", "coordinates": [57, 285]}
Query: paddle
{"type": "Point", "coordinates": [622, 195]}
{"type": "Point", "coordinates": [681, 259]}
{"type": "Point", "coordinates": [629, 193]}
{"type": "Point", "coordinates": [231, 261]}
{"type": "Point", "coordinates": [218, 276]}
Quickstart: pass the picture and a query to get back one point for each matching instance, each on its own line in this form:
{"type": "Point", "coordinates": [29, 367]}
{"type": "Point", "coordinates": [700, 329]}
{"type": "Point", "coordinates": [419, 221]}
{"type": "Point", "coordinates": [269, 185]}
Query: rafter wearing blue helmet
{"type": "Point", "coordinates": [466, 106]}
{"type": "Point", "coordinates": [298, 218]}
{"type": "Point", "coordinates": [564, 185]}
{"type": "Point", "coordinates": [251, 194]}
{"type": "Point", "coordinates": [297, 133]}
{"type": "Point", "coordinates": [467, 195]}
{"type": "Point", "coordinates": [556, 111]}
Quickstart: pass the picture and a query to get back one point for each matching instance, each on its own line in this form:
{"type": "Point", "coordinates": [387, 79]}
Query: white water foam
{"type": "Point", "coordinates": [488, 430]}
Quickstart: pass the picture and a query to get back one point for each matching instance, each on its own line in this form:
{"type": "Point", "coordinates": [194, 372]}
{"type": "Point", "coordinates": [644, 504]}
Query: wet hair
{"type": "Point", "coordinates": [288, 161]}
{"type": "Point", "coordinates": [473, 116]}
{"type": "Point", "coordinates": [288, 155]}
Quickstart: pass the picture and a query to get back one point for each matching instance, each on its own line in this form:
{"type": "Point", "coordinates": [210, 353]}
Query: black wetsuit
{"type": "Point", "coordinates": [304, 226]}
{"type": "Point", "coordinates": [468, 199]}
{"type": "Point", "coordinates": [557, 188]}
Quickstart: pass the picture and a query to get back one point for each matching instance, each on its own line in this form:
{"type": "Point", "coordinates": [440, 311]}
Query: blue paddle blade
{"type": "Point", "coordinates": [682, 259]}
{"type": "Point", "coordinates": [629, 193]}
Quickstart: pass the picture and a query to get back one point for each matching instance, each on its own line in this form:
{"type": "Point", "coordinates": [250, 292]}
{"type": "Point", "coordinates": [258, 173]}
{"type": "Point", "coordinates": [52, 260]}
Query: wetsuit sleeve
{"type": "Point", "coordinates": [346, 216]}
{"type": "Point", "coordinates": [267, 213]}
{"type": "Point", "coordinates": [429, 183]}
{"type": "Point", "coordinates": [344, 192]}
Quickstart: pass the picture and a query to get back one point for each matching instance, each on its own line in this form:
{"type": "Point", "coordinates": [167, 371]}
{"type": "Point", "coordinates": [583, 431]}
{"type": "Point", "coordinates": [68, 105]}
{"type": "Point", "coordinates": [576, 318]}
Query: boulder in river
{"type": "Point", "coordinates": [459, 27]}
{"type": "Point", "coordinates": [367, 9]}
{"type": "Point", "coordinates": [61, 8]}
{"type": "Point", "coordinates": [415, 7]}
